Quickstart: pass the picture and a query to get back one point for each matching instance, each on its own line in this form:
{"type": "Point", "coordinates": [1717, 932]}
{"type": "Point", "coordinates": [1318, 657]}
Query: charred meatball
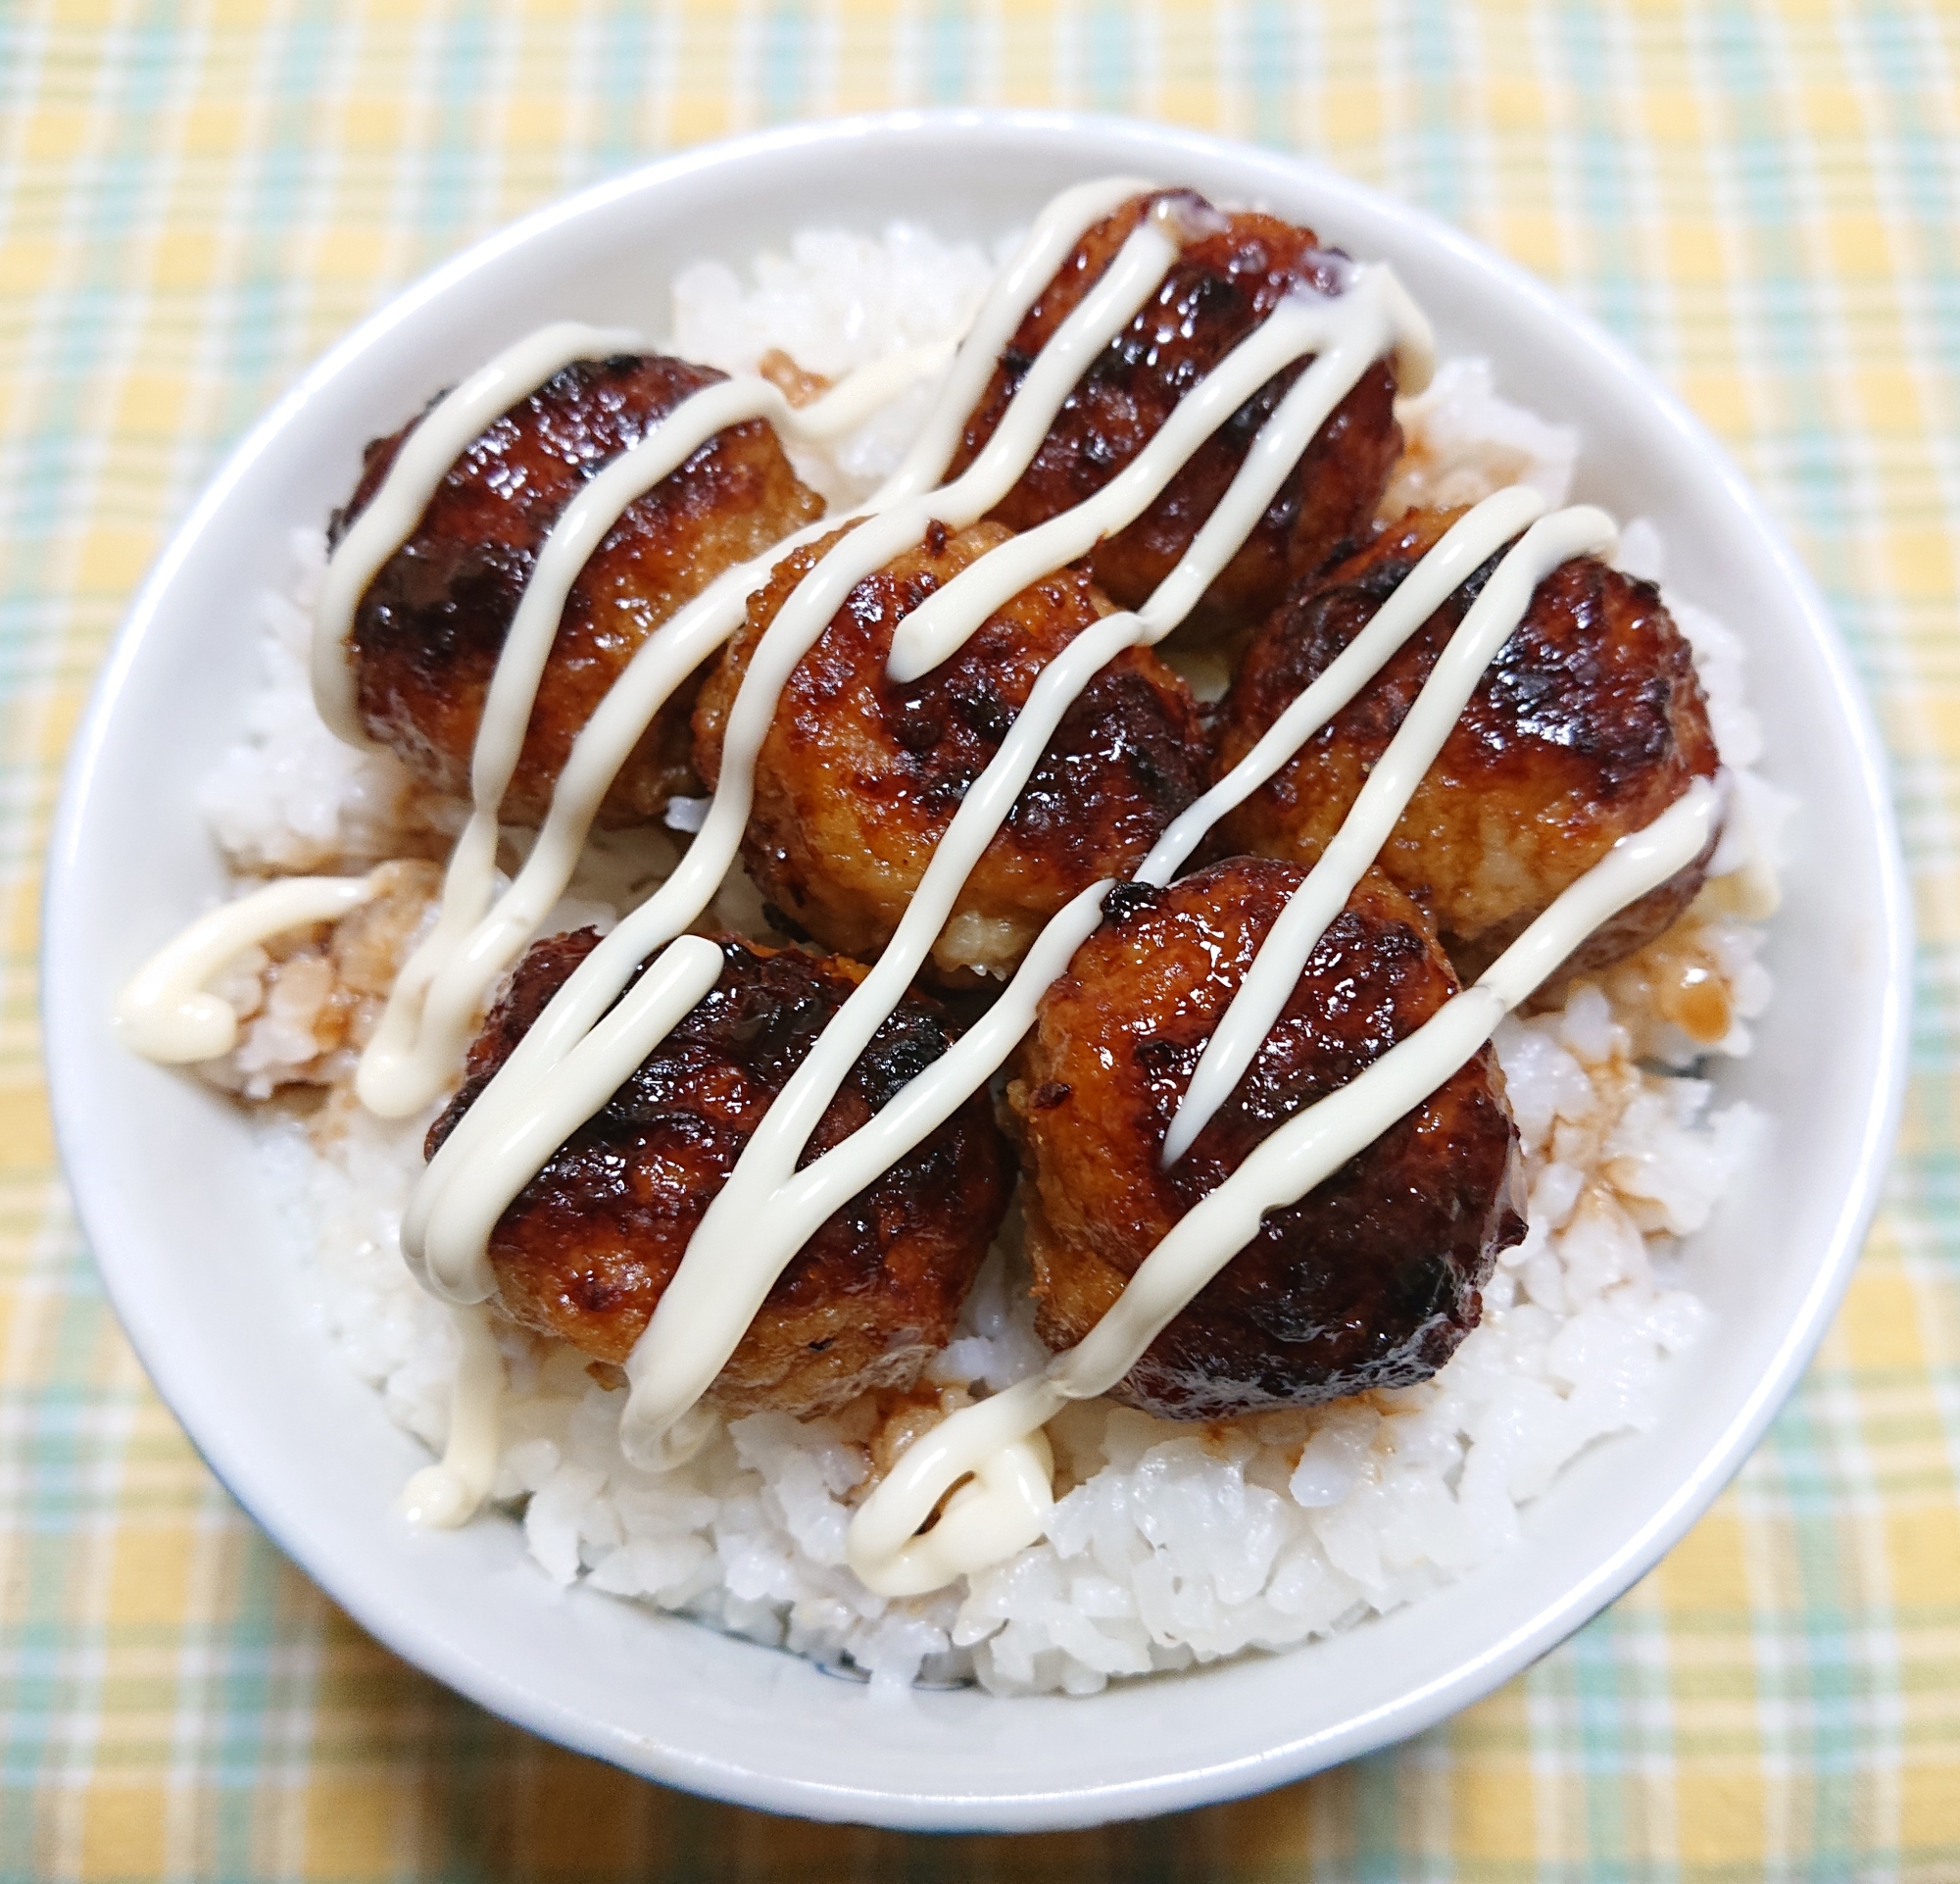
{"type": "Point", "coordinates": [1587, 725]}
{"type": "Point", "coordinates": [592, 1242]}
{"type": "Point", "coordinates": [859, 778]}
{"type": "Point", "coordinates": [1373, 1277]}
{"type": "Point", "coordinates": [429, 628]}
{"type": "Point", "coordinates": [1234, 272]}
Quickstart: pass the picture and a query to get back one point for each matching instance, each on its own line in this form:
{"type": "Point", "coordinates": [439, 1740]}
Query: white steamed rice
{"type": "Point", "coordinates": [1171, 1545]}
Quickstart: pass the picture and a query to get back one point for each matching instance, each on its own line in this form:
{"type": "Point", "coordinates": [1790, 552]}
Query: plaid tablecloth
{"type": "Point", "coordinates": [1761, 199]}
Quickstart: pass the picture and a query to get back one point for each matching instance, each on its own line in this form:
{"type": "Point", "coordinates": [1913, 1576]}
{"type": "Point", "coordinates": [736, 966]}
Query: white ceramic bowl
{"type": "Point", "coordinates": [164, 1169]}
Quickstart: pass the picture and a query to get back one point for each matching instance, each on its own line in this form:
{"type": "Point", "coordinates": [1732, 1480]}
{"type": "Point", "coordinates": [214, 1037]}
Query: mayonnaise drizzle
{"type": "Point", "coordinates": [1376, 808]}
{"type": "Point", "coordinates": [549, 1062]}
{"type": "Point", "coordinates": [589, 1039]}
{"type": "Point", "coordinates": [1005, 1506]}
{"type": "Point", "coordinates": [673, 984]}
{"type": "Point", "coordinates": [447, 1495]}
{"type": "Point", "coordinates": [435, 1002]}
{"type": "Point", "coordinates": [732, 1261]}
{"type": "Point", "coordinates": [768, 1231]}
{"type": "Point", "coordinates": [1456, 557]}
{"type": "Point", "coordinates": [1348, 332]}
{"type": "Point", "coordinates": [436, 996]}
{"type": "Point", "coordinates": [165, 1011]}
{"type": "Point", "coordinates": [446, 431]}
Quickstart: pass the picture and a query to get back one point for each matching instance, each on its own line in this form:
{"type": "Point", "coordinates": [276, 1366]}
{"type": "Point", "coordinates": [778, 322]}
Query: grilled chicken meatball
{"type": "Point", "coordinates": [1587, 725]}
{"type": "Point", "coordinates": [429, 628]}
{"type": "Point", "coordinates": [1228, 279]}
{"type": "Point", "coordinates": [858, 778]}
{"type": "Point", "coordinates": [1373, 1277]}
{"type": "Point", "coordinates": [591, 1243]}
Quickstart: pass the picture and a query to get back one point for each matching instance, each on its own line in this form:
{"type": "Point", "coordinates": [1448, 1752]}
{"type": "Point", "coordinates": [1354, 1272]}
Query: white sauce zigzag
{"type": "Point", "coordinates": [992, 1457]}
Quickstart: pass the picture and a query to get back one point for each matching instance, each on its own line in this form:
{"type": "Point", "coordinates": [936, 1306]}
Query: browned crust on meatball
{"type": "Point", "coordinates": [1373, 1277]}
{"type": "Point", "coordinates": [430, 626]}
{"type": "Point", "coordinates": [588, 1248]}
{"type": "Point", "coordinates": [1223, 285]}
{"type": "Point", "coordinates": [1587, 725]}
{"type": "Point", "coordinates": [859, 778]}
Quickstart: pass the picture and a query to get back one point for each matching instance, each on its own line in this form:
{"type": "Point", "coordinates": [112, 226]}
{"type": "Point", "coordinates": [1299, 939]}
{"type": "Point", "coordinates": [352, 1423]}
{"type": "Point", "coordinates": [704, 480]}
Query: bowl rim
{"type": "Point", "coordinates": [1196, 1782]}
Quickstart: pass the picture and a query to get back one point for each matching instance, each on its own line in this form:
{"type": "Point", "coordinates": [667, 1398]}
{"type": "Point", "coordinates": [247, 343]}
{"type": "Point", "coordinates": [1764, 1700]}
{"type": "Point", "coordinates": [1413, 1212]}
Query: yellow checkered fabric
{"type": "Point", "coordinates": [196, 197]}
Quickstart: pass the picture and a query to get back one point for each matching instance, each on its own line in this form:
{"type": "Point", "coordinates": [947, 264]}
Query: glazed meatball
{"type": "Point", "coordinates": [1231, 275]}
{"type": "Point", "coordinates": [1587, 725]}
{"type": "Point", "coordinates": [859, 778]}
{"type": "Point", "coordinates": [592, 1242]}
{"type": "Point", "coordinates": [1373, 1277]}
{"type": "Point", "coordinates": [429, 627]}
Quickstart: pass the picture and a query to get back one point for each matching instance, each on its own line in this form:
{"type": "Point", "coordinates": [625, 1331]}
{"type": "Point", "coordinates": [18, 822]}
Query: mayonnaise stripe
{"type": "Point", "coordinates": [165, 1011]}
{"type": "Point", "coordinates": [747, 1236]}
{"type": "Point", "coordinates": [1127, 283]}
{"type": "Point", "coordinates": [651, 678]}
{"type": "Point", "coordinates": [733, 1261]}
{"type": "Point", "coordinates": [671, 987]}
{"type": "Point", "coordinates": [1064, 221]}
{"type": "Point", "coordinates": [1302, 1152]}
{"type": "Point", "coordinates": [590, 1039]}
{"type": "Point", "coordinates": [1461, 551]}
{"type": "Point", "coordinates": [1282, 957]}
{"type": "Point", "coordinates": [447, 1495]}
{"type": "Point", "coordinates": [441, 436]}
{"type": "Point", "coordinates": [1349, 331]}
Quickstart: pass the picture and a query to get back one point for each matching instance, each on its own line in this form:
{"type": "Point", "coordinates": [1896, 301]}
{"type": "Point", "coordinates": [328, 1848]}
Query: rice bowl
{"type": "Point", "coordinates": [1573, 1035]}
